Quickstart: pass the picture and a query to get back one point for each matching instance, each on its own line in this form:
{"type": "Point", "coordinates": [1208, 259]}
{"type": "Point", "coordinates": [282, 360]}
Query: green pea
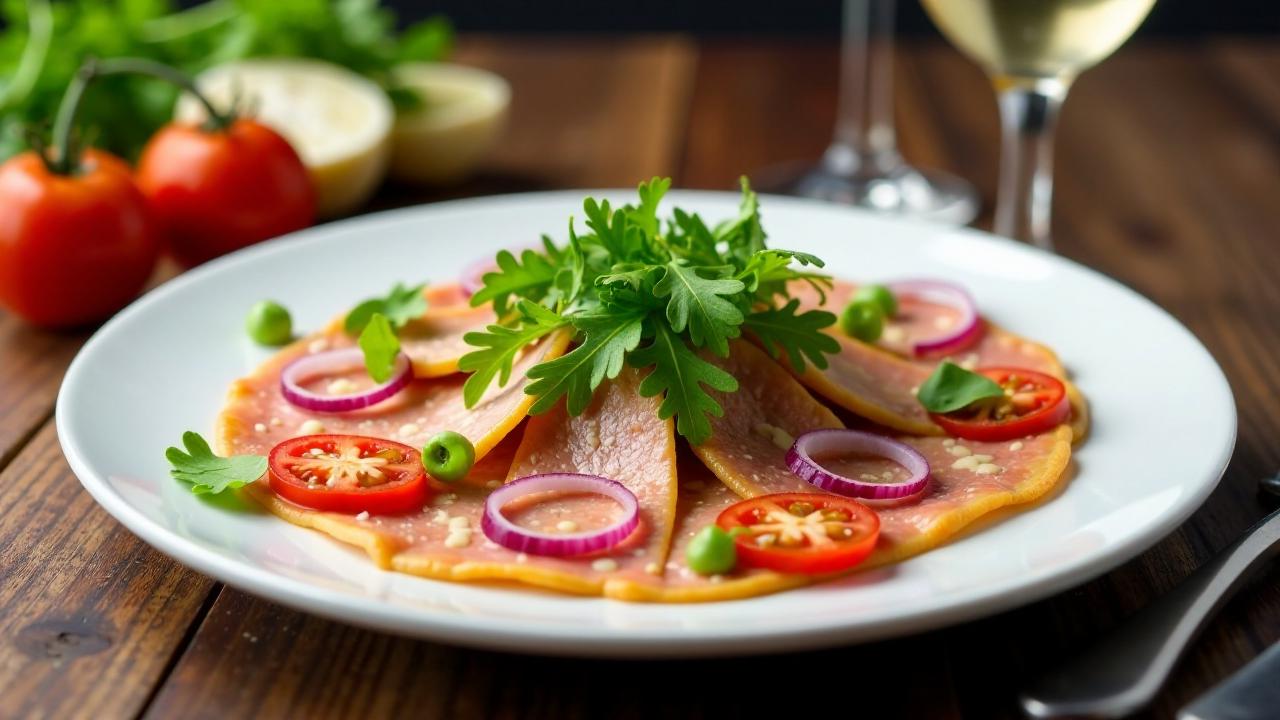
{"type": "Point", "coordinates": [862, 320]}
{"type": "Point", "coordinates": [269, 323]}
{"type": "Point", "coordinates": [448, 456]}
{"type": "Point", "coordinates": [881, 296]}
{"type": "Point", "coordinates": [711, 552]}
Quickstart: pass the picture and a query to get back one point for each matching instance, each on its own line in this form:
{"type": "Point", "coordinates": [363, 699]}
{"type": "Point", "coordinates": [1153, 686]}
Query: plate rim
{"type": "Point", "coordinates": [515, 636]}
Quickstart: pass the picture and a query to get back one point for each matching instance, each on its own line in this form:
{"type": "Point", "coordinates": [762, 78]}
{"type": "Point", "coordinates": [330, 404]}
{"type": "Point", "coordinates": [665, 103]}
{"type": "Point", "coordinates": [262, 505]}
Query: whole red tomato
{"type": "Point", "coordinates": [74, 248]}
{"type": "Point", "coordinates": [214, 191]}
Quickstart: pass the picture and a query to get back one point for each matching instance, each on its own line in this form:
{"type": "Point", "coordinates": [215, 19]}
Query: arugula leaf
{"type": "Point", "coordinates": [380, 346]}
{"type": "Point", "coordinates": [624, 281]}
{"type": "Point", "coordinates": [744, 235]}
{"type": "Point", "coordinates": [645, 216]}
{"type": "Point", "coordinates": [698, 303]}
{"type": "Point", "coordinates": [576, 375]}
{"type": "Point", "coordinates": [532, 276]}
{"type": "Point", "coordinates": [208, 473]}
{"type": "Point", "coordinates": [499, 346]}
{"type": "Point", "coordinates": [951, 388]}
{"type": "Point", "coordinates": [680, 374]}
{"type": "Point", "coordinates": [782, 330]}
{"type": "Point", "coordinates": [399, 306]}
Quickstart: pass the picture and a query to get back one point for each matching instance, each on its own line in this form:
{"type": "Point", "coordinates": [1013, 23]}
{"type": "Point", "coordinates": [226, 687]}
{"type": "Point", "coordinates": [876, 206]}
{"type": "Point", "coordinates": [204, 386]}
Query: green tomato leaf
{"type": "Point", "coordinates": [951, 388]}
{"type": "Point", "coordinates": [679, 374]}
{"type": "Point", "coordinates": [380, 345]}
{"type": "Point", "coordinates": [798, 335]}
{"type": "Point", "coordinates": [608, 337]}
{"type": "Point", "coordinates": [699, 304]}
{"type": "Point", "coordinates": [209, 473]}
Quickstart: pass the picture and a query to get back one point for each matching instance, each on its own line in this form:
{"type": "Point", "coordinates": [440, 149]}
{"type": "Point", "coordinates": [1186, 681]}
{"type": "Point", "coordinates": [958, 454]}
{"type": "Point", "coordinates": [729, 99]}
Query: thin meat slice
{"type": "Point", "coordinates": [760, 421]}
{"type": "Point", "coordinates": [434, 341]}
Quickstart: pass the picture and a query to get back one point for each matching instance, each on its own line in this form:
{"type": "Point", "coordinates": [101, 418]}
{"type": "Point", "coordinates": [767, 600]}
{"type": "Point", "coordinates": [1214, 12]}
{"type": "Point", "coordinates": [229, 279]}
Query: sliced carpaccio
{"type": "Point", "coordinates": [760, 421]}
{"type": "Point", "coordinates": [434, 341]}
{"type": "Point", "coordinates": [257, 417]}
{"type": "Point", "coordinates": [619, 436]}
{"type": "Point", "coordinates": [879, 381]}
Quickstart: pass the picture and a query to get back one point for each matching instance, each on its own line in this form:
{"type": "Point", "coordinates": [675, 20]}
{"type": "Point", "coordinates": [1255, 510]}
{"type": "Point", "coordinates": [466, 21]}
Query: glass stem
{"type": "Point", "coordinates": [864, 140]}
{"type": "Point", "coordinates": [1028, 114]}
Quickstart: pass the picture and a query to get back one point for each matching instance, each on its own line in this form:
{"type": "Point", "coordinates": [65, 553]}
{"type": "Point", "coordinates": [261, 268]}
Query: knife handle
{"type": "Point", "coordinates": [1252, 693]}
{"type": "Point", "coordinates": [1124, 670]}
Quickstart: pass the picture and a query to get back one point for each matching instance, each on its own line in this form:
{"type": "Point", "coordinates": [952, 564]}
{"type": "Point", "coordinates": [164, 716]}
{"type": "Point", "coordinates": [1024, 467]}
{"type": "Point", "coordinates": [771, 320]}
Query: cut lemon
{"type": "Point", "coordinates": [338, 122]}
{"type": "Point", "coordinates": [463, 112]}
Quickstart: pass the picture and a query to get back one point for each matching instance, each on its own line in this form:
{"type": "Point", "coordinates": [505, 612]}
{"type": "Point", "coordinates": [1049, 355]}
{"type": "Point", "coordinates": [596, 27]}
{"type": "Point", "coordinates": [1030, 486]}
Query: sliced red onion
{"type": "Point", "coordinates": [336, 361]}
{"type": "Point", "coordinates": [823, 442]}
{"type": "Point", "coordinates": [502, 531]}
{"type": "Point", "coordinates": [968, 327]}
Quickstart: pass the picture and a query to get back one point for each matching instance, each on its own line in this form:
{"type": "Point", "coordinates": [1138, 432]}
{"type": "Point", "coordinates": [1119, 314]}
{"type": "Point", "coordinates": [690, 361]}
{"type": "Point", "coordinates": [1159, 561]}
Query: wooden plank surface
{"type": "Point", "coordinates": [1169, 170]}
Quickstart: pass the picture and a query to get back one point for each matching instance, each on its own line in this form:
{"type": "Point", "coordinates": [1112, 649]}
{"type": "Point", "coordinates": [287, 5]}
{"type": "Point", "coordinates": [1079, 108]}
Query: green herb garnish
{"type": "Point", "coordinates": [658, 296]}
{"type": "Point", "coordinates": [380, 345]}
{"type": "Point", "coordinates": [399, 306]}
{"type": "Point", "coordinates": [951, 388]}
{"type": "Point", "coordinates": [42, 44]}
{"type": "Point", "coordinates": [209, 473]}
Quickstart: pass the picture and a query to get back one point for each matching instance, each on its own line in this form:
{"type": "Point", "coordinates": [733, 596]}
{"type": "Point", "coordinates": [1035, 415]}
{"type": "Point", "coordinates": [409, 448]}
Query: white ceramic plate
{"type": "Point", "coordinates": [1164, 429]}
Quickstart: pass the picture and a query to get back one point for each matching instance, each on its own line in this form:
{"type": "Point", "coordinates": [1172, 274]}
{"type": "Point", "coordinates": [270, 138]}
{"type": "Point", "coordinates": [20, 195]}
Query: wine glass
{"type": "Point", "coordinates": [862, 166]}
{"type": "Point", "coordinates": [1033, 50]}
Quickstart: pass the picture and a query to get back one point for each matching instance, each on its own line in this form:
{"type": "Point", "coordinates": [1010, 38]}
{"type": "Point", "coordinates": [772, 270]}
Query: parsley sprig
{"type": "Point", "coordinates": [662, 297]}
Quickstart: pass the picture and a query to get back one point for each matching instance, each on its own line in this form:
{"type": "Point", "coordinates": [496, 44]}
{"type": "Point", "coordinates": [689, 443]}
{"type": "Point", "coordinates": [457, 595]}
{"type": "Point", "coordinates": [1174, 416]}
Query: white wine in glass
{"type": "Point", "coordinates": [1033, 49]}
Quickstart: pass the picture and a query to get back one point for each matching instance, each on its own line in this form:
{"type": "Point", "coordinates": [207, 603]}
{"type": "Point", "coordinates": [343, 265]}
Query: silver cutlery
{"type": "Point", "coordinates": [1123, 671]}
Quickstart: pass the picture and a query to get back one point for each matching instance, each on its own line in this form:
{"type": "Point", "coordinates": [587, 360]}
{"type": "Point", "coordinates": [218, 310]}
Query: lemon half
{"type": "Point", "coordinates": [463, 113]}
{"type": "Point", "coordinates": [338, 122]}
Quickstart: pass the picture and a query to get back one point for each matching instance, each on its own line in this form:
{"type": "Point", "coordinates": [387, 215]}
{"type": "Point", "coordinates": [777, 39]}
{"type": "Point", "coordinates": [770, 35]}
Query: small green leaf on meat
{"type": "Point", "coordinates": [208, 473]}
{"type": "Point", "coordinates": [380, 345]}
{"type": "Point", "coordinates": [952, 388]}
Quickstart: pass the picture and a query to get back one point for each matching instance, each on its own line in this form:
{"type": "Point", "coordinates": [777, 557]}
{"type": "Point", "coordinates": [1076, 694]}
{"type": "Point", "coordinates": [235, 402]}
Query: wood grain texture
{"type": "Point", "coordinates": [90, 616]}
{"type": "Point", "coordinates": [1168, 179]}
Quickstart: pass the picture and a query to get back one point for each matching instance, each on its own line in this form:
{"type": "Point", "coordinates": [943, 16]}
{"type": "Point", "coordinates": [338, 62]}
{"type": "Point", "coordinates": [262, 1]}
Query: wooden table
{"type": "Point", "coordinates": [1168, 179]}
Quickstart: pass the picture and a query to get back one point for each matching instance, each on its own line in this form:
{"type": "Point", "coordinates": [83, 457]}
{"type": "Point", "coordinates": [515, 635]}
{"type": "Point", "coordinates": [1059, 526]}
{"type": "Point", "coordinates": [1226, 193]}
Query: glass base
{"type": "Point", "coordinates": [904, 190]}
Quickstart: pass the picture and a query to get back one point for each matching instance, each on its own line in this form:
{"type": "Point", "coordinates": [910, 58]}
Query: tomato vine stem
{"type": "Point", "coordinates": [65, 158]}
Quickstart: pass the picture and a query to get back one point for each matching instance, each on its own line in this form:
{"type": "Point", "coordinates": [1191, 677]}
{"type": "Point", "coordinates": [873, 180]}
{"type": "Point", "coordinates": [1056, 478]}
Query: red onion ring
{"type": "Point", "coordinates": [502, 531]}
{"type": "Point", "coordinates": [800, 461]}
{"type": "Point", "coordinates": [968, 327]}
{"type": "Point", "coordinates": [330, 361]}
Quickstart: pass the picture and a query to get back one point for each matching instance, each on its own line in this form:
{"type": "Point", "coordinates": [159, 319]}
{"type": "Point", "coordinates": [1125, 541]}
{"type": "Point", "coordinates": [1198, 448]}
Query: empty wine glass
{"type": "Point", "coordinates": [862, 166]}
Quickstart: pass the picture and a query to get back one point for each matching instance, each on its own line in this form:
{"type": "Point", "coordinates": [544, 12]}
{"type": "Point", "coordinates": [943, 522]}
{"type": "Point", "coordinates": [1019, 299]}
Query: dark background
{"type": "Point", "coordinates": [1179, 18]}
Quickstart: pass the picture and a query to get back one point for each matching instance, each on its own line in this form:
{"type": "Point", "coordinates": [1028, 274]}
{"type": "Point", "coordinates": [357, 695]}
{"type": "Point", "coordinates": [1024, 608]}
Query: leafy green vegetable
{"type": "Point", "coordinates": [499, 346]}
{"type": "Point", "coordinates": [606, 340]}
{"type": "Point", "coordinates": [700, 304]}
{"type": "Point", "coordinates": [680, 374]}
{"type": "Point", "coordinates": [209, 473]}
{"type": "Point", "coordinates": [651, 294]}
{"type": "Point", "coordinates": [43, 43]}
{"type": "Point", "coordinates": [380, 345]}
{"type": "Point", "coordinates": [781, 329]}
{"type": "Point", "coordinates": [951, 388]}
{"type": "Point", "coordinates": [399, 306]}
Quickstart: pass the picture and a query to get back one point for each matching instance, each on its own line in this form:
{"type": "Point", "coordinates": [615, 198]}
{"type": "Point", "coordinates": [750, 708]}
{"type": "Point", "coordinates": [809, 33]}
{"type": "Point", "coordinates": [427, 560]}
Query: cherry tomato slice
{"type": "Point", "coordinates": [1033, 403]}
{"type": "Point", "coordinates": [809, 533]}
{"type": "Point", "coordinates": [348, 474]}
